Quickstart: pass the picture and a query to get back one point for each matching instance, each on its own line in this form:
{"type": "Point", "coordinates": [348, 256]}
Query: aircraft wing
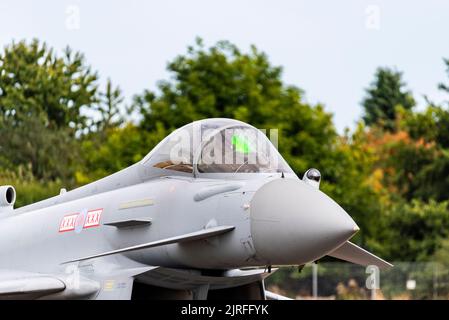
{"type": "Point", "coordinates": [353, 253]}
{"type": "Point", "coordinates": [25, 285]}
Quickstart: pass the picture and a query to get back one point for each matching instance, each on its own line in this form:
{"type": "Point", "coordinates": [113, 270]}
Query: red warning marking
{"type": "Point", "coordinates": [68, 222]}
{"type": "Point", "coordinates": [93, 218]}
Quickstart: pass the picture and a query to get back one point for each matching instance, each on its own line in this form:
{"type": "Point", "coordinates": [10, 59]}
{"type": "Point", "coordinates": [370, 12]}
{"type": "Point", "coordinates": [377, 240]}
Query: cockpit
{"type": "Point", "coordinates": [214, 146]}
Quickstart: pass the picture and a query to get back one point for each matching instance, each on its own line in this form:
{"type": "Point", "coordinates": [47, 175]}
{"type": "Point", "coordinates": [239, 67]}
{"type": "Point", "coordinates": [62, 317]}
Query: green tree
{"type": "Point", "coordinates": [36, 82]}
{"type": "Point", "coordinates": [110, 109]}
{"type": "Point", "coordinates": [48, 153]}
{"type": "Point", "coordinates": [431, 125]}
{"type": "Point", "coordinates": [413, 231]}
{"type": "Point", "coordinates": [42, 98]}
{"type": "Point", "coordinates": [431, 128]}
{"type": "Point", "coordinates": [385, 94]}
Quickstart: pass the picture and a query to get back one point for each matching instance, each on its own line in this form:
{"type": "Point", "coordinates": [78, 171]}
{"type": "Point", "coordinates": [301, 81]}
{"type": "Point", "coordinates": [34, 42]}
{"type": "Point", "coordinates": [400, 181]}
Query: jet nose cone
{"type": "Point", "coordinates": [294, 223]}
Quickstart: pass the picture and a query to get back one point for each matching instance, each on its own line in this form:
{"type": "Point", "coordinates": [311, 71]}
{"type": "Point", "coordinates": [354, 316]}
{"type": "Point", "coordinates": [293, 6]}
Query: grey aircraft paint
{"type": "Point", "coordinates": [187, 227]}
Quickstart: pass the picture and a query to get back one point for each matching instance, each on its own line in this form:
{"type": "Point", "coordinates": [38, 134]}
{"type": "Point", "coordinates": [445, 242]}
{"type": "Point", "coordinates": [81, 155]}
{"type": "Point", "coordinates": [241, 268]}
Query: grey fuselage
{"type": "Point", "coordinates": [31, 241]}
{"type": "Point", "coordinates": [272, 218]}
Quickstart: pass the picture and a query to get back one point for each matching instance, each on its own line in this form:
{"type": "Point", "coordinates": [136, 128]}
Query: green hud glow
{"type": "Point", "coordinates": [240, 144]}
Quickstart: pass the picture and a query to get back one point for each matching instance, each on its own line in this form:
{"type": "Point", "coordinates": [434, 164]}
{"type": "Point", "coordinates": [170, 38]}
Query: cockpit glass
{"type": "Point", "coordinates": [238, 149]}
{"type": "Point", "coordinates": [218, 146]}
{"type": "Point", "coordinates": [176, 152]}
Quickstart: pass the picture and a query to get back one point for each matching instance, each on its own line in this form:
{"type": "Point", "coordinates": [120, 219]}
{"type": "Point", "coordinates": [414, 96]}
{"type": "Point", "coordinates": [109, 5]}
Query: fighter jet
{"type": "Point", "coordinates": [209, 213]}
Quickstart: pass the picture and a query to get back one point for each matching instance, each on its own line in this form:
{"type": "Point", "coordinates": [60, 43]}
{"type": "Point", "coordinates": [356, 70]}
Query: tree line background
{"type": "Point", "coordinates": [60, 128]}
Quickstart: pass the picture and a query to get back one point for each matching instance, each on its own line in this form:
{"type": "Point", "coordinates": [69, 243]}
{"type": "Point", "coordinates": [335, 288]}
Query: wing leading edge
{"type": "Point", "coordinates": [197, 235]}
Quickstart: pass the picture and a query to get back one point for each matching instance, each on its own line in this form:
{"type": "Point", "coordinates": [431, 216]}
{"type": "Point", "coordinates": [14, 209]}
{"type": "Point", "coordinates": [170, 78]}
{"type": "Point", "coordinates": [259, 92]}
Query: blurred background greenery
{"type": "Point", "coordinates": [60, 128]}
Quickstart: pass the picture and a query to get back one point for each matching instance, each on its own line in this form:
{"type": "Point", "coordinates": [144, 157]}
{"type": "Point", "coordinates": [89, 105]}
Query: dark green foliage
{"type": "Point", "coordinates": [36, 82]}
{"type": "Point", "coordinates": [413, 231]}
{"type": "Point", "coordinates": [383, 97]}
{"type": "Point", "coordinates": [42, 96]}
{"type": "Point", "coordinates": [48, 153]}
{"type": "Point", "coordinates": [432, 125]}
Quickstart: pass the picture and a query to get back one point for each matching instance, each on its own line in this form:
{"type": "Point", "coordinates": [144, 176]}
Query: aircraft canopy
{"type": "Point", "coordinates": [218, 146]}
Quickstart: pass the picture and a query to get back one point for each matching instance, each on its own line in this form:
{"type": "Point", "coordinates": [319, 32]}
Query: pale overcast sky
{"type": "Point", "coordinates": [328, 48]}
